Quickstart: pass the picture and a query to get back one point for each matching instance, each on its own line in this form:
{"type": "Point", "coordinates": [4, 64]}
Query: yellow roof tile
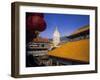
{"type": "Point", "coordinates": [76, 50]}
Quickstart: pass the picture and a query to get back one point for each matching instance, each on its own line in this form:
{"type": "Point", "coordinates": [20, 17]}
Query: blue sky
{"type": "Point", "coordinates": [66, 23]}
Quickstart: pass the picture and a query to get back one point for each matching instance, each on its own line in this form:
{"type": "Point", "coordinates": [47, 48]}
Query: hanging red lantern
{"type": "Point", "coordinates": [36, 22]}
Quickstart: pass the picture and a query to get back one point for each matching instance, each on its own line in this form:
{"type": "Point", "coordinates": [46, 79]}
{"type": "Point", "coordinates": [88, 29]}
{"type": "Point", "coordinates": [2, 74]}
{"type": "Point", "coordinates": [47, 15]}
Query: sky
{"type": "Point", "coordinates": [66, 23]}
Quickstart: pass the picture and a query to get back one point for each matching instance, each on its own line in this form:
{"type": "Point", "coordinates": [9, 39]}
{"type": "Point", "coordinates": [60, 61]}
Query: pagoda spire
{"type": "Point", "coordinates": [56, 37]}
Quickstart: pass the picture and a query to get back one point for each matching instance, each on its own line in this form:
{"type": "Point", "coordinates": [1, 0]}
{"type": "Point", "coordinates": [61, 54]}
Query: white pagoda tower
{"type": "Point", "coordinates": [56, 37]}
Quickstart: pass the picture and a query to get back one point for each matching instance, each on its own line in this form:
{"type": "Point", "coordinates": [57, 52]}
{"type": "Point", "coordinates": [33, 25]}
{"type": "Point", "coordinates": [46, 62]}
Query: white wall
{"type": "Point", "coordinates": [5, 40]}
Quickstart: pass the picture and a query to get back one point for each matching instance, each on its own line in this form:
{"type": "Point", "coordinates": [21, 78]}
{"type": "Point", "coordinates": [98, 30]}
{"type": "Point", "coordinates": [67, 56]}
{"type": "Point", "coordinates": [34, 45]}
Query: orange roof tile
{"type": "Point", "coordinates": [39, 39]}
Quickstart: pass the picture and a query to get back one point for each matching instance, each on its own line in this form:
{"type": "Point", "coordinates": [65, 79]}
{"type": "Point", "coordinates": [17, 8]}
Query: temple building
{"type": "Point", "coordinates": [69, 50]}
{"type": "Point", "coordinates": [56, 37]}
{"type": "Point", "coordinates": [81, 33]}
{"type": "Point", "coordinates": [74, 51]}
{"type": "Point", "coordinates": [38, 47]}
{"type": "Point", "coordinates": [37, 52]}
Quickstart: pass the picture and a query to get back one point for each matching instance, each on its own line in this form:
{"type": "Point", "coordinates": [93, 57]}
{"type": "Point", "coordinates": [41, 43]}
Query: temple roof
{"type": "Point", "coordinates": [40, 40]}
{"type": "Point", "coordinates": [80, 30]}
{"type": "Point", "coordinates": [77, 50]}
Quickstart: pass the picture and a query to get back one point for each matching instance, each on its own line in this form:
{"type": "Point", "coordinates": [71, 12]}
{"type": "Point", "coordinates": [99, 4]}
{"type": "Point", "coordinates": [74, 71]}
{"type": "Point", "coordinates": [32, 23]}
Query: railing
{"type": "Point", "coordinates": [37, 53]}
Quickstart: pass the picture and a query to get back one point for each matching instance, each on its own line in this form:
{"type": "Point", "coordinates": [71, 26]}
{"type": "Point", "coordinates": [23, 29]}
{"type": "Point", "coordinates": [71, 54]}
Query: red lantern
{"type": "Point", "coordinates": [36, 22]}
